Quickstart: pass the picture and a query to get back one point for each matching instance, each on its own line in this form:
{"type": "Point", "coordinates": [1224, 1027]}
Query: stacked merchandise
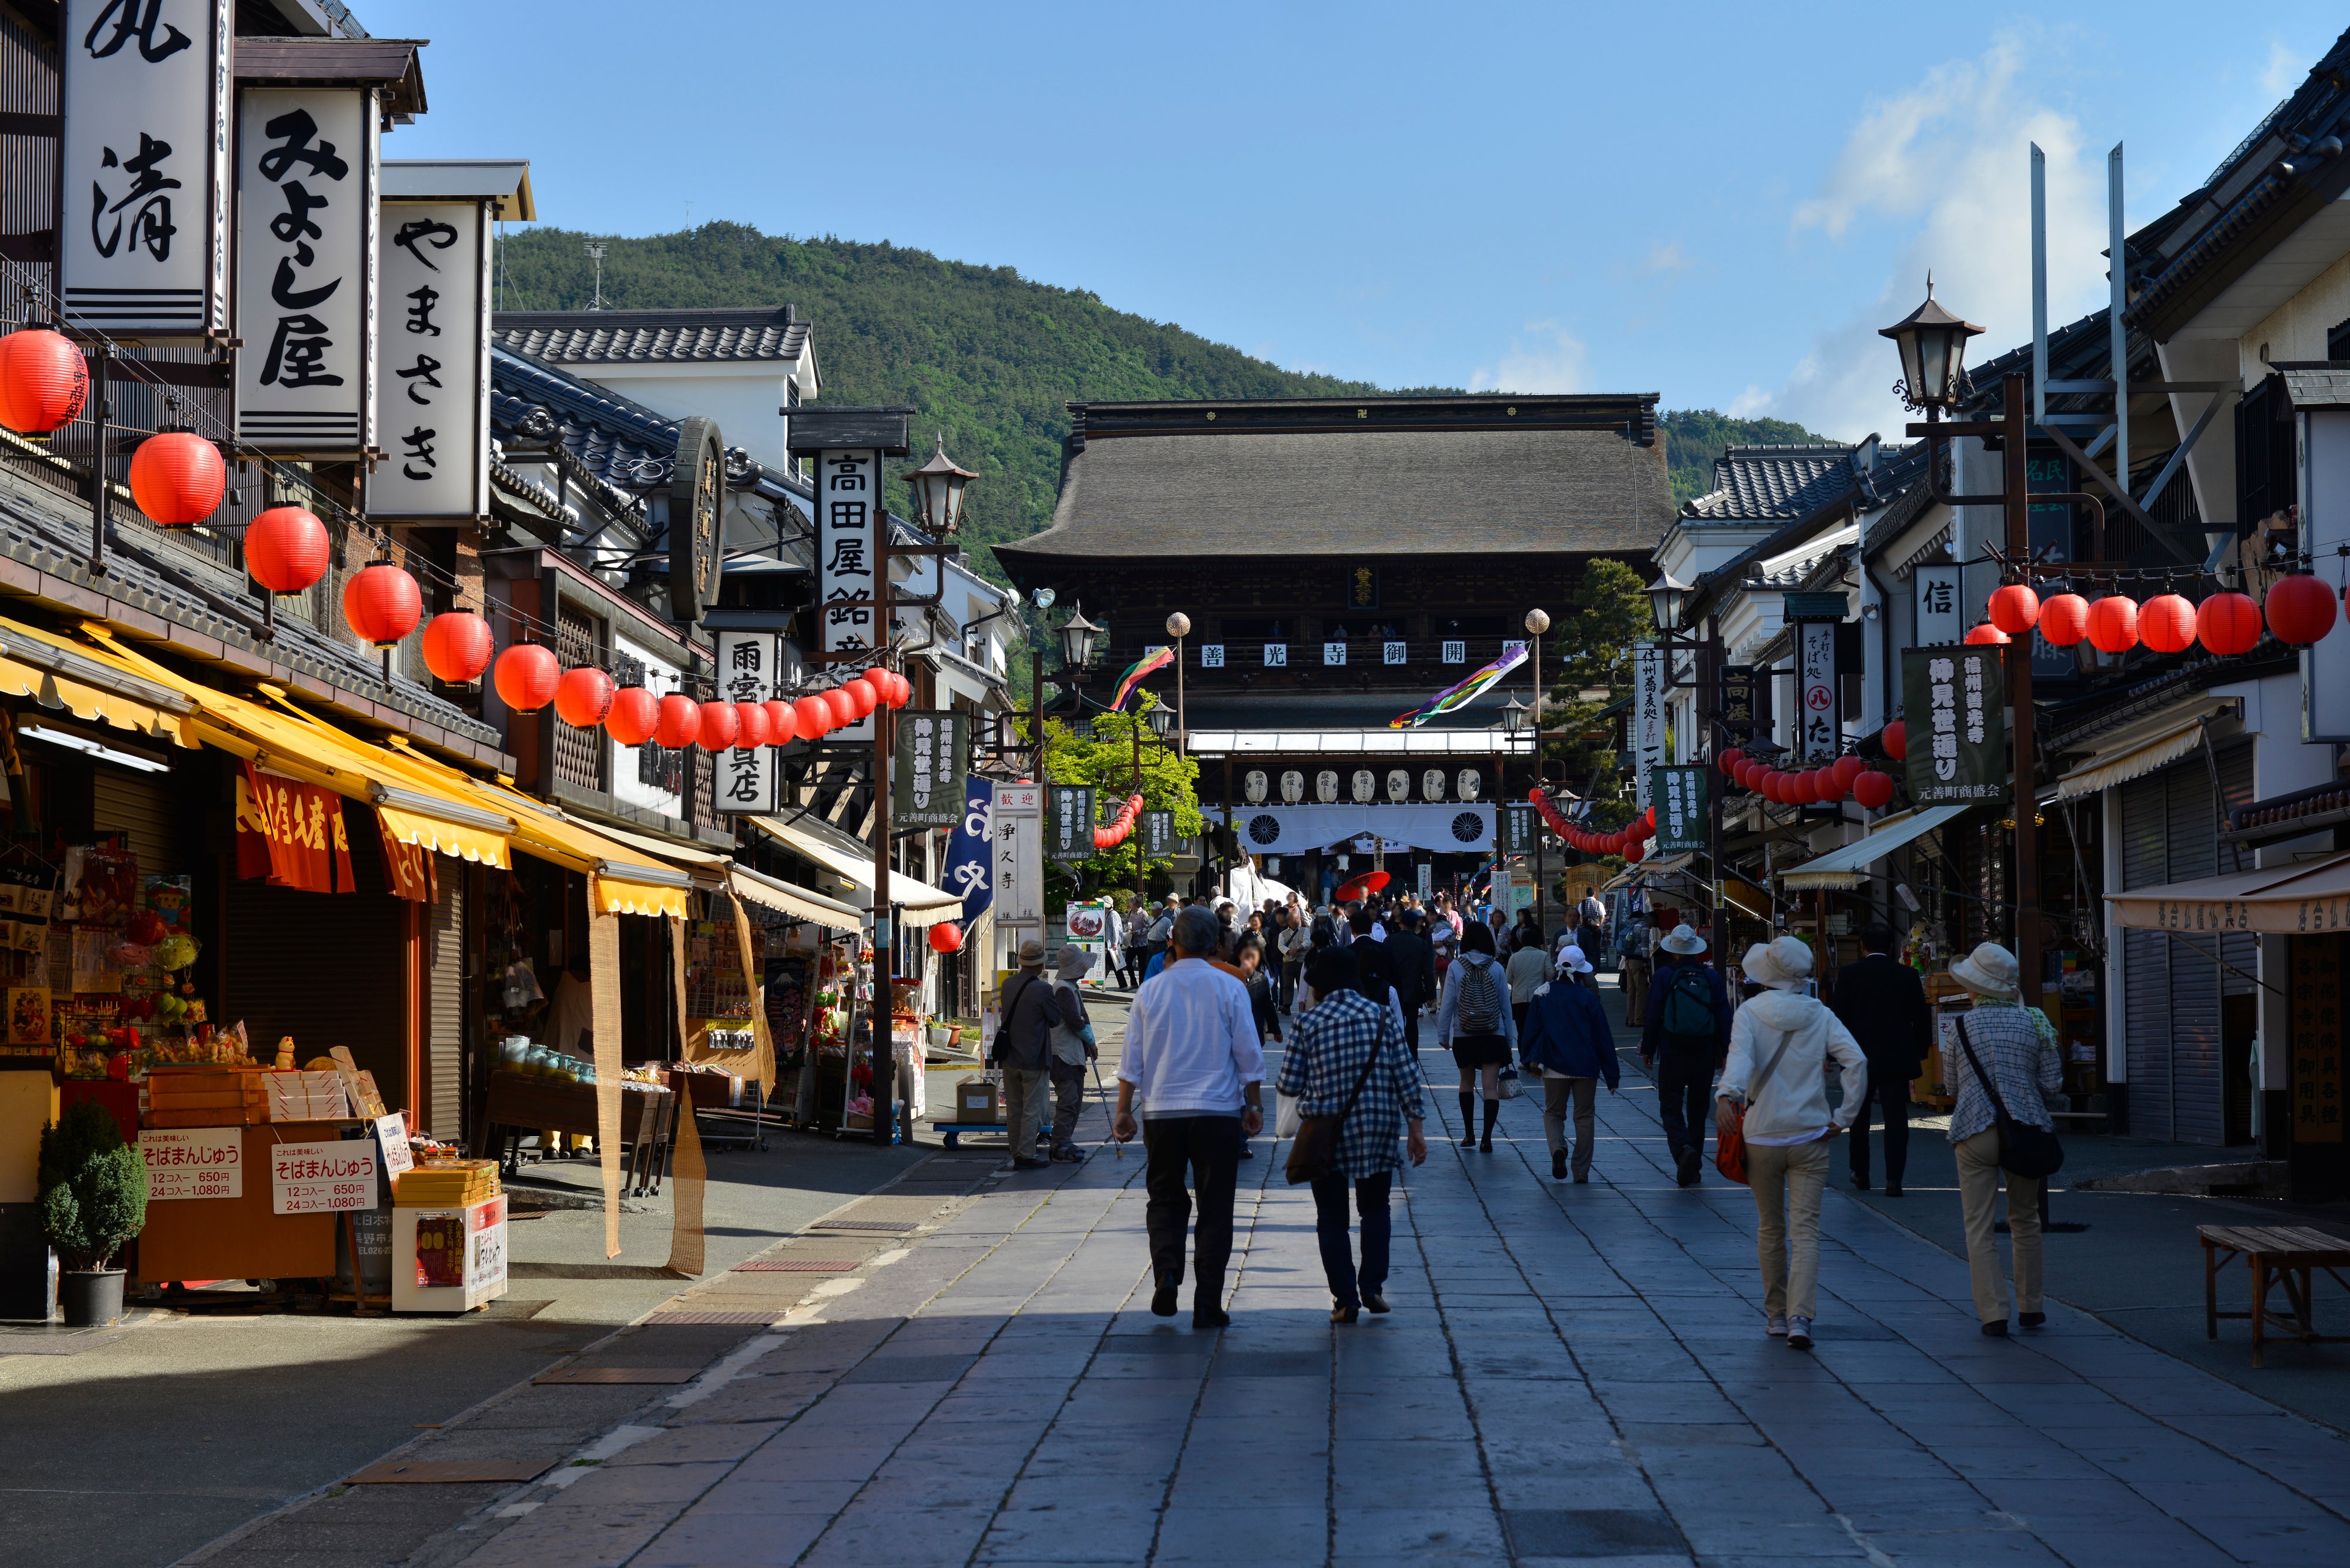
{"type": "Point", "coordinates": [214, 1096]}
{"type": "Point", "coordinates": [446, 1184]}
{"type": "Point", "coordinates": [447, 1236]}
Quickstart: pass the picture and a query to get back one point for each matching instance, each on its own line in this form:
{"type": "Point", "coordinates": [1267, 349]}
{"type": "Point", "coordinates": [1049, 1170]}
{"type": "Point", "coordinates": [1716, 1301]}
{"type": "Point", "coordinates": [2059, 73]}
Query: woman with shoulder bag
{"type": "Point", "coordinates": [2001, 1066]}
{"type": "Point", "coordinates": [1474, 1020]}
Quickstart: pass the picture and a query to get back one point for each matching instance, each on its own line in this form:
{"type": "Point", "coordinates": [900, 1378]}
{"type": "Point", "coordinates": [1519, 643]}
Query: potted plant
{"type": "Point", "coordinates": [93, 1198]}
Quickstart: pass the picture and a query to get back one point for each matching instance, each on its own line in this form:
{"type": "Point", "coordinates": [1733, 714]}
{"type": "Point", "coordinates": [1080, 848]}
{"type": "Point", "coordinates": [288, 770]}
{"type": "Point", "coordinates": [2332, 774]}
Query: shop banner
{"type": "Point", "coordinates": [192, 1162]}
{"type": "Point", "coordinates": [1070, 825]}
{"type": "Point", "coordinates": [432, 367]}
{"type": "Point", "coordinates": [1744, 705]}
{"type": "Point", "coordinates": [322, 1177]}
{"type": "Point", "coordinates": [1648, 713]}
{"type": "Point", "coordinates": [1815, 688]}
{"type": "Point", "coordinates": [1158, 835]}
{"type": "Point", "coordinates": [933, 750]}
{"type": "Point", "coordinates": [1955, 700]}
{"type": "Point", "coordinates": [970, 869]}
{"type": "Point", "coordinates": [1521, 830]}
{"type": "Point", "coordinates": [292, 833]}
{"type": "Point", "coordinates": [408, 868]}
{"type": "Point", "coordinates": [750, 778]}
{"type": "Point", "coordinates": [848, 487]}
{"type": "Point", "coordinates": [1679, 796]}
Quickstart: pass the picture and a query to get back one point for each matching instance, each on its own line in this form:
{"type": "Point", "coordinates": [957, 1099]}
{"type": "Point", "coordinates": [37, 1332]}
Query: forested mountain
{"type": "Point", "coordinates": [1695, 437]}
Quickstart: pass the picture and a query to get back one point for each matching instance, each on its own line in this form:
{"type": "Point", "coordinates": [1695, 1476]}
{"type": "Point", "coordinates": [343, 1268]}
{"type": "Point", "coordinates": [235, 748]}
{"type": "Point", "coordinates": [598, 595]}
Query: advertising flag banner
{"type": "Point", "coordinates": [1069, 823]}
{"type": "Point", "coordinates": [1679, 796]}
{"type": "Point", "coordinates": [1648, 715]}
{"type": "Point", "coordinates": [1955, 700]}
{"type": "Point", "coordinates": [933, 752]}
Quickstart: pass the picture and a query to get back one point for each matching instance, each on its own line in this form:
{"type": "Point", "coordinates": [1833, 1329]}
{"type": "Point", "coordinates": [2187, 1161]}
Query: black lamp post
{"type": "Point", "coordinates": [1933, 344]}
{"type": "Point", "coordinates": [938, 487]}
{"type": "Point", "coordinates": [1078, 638]}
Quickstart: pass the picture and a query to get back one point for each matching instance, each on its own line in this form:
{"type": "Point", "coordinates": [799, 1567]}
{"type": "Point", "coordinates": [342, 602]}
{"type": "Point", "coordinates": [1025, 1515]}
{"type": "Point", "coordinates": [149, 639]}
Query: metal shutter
{"type": "Point", "coordinates": [2194, 1017]}
{"type": "Point", "coordinates": [143, 808]}
{"type": "Point", "coordinates": [442, 1098]}
{"type": "Point", "coordinates": [2146, 962]}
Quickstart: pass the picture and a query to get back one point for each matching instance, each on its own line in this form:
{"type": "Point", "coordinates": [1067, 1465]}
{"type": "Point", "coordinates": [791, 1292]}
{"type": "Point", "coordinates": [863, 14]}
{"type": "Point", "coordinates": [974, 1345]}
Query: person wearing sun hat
{"type": "Point", "coordinates": [1684, 1039]}
{"type": "Point", "coordinates": [1779, 1046]}
{"type": "Point", "coordinates": [1568, 1040]}
{"type": "Point", "coordinates": [2023, 1067]}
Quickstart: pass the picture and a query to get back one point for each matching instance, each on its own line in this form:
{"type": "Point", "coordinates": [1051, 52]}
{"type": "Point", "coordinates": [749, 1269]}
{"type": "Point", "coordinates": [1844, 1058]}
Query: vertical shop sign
{"type": "Point", "coordinates": [933, 750]}
{"type": "Point", "coordinates": [1648, 715]}
{"type": "Point", "coordinates": [970, 869]}
{"type": "Point", "coordinates": [142, 235]}
{"type": "Point", "coordinates": [1955, 700]}
{"type": "Point", "coordinates": [1815, 688]}
{"type": "Point", "coordinates": [1942, 619]}
{"type": "Point", "coordinates": [750, 778]}
{"type": "Point", "coordinates": [291, 833]}
{"type": "Point", "coordinates": [432, 364]}
{"type": "Point", "coordinates": [1069, 830]}
{"type": "Point", "coordinates": [1520, 835]}
{"type": "Point", "coordinates": [305, 274]}
{"type": "Point", "coordinates": [1679, 796]}
{"type": "Point", "coordinates": [1743, 709]}
{"type": "Point", "coordinates": [2317, 1039]}
{"type": "Point", "coordinates": [849, 488]}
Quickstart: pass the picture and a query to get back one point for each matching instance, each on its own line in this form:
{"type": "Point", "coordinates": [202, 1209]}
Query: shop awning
{"type": "Point", "coordinates": [90, 684]}
{"type": "Point", "coordinates": [919, 903]}
{"type": "Point", "coordinates": [2119, 764]}
{"type": "Point", "coordinates": [624, 887]}
{"type": "Point", "coordinates": [2311, 896]}
{"type": "Point", "coordinates": [1664, 866]}
{"type": "Point", "coordinates": [758, 888]}
{"type": "Point", "coordinates": [1842, 868]}
{"type": "Point", "coordinates": [437, 822]}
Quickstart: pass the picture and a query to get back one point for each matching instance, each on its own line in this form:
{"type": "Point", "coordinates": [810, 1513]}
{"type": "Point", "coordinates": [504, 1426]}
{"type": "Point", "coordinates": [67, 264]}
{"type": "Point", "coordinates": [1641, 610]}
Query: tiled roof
{"type": "Point", "coordinates": [652, 337]}
{"type": "Point", "coordinates": [2315, 383]}
{"type": "Point", "coordinates": [1772, 483]}
{"type": "Point", "coordinates": [610, 434]}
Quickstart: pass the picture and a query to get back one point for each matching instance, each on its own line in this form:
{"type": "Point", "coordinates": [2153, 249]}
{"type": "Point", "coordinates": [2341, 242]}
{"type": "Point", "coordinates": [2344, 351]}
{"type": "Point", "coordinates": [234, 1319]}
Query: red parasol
{"type": "Point", "coordinates": [1356, 887]}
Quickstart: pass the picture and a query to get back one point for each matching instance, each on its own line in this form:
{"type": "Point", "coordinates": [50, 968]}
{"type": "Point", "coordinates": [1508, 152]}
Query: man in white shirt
{"type": "Point", "coordinates": [1193, 1059]}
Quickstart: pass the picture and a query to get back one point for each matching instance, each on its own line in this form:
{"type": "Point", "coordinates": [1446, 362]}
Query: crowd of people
{"type": "Point", "coordinates": [1343, 992]}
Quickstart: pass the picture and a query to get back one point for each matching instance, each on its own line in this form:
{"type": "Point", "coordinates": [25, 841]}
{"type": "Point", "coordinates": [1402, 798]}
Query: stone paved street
{"type": "Point", "coordinates": [1570, 1373]}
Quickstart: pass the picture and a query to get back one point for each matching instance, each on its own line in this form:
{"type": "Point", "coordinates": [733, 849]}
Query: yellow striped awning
{"type": "Point", "coordinates": [615, 888]}
{"type": "Point", "coordinates": [89, 684]}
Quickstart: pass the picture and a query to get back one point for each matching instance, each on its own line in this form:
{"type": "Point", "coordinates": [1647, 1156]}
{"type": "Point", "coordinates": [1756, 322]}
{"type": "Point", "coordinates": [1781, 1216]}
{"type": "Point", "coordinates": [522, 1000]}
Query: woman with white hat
{"type": "Point", "coordinates": [1779, 1044]}
{"type": "Point", "coordinates": [2022, 1066]}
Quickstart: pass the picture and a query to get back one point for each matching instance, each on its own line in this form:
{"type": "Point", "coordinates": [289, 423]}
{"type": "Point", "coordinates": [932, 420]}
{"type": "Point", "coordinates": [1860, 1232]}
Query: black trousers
{"type": "Point", "coordinates": [1209, 1148]}
{"type": "Point", "coordinates": [1889, 1093]}
{"type": "Point", "coordinates": [1411, 1024]}
{"type": "Point", "coordinates": [1347, 1282]}
{"type": "Point", "coordinates": [1684, 1087]}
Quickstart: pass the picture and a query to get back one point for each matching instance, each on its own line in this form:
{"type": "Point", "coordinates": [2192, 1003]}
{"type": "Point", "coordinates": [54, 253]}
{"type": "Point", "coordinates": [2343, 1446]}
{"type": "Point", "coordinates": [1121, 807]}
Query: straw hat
{"type": "Point", "coordinates": [1684, 941]}
{"type": "Point", "coordinates": [1990, 971]}
{"type": "Point", "coordinates": [1783, 962]}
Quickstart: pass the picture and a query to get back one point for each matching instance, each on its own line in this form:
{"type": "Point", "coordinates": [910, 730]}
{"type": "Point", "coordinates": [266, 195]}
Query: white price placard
{"type": "Point", "coordinates": [192, 1162]}
{"type": "Point", "coordinates": [323, 1177]}
{"type": "Point", "coordinates": [392, 1133]}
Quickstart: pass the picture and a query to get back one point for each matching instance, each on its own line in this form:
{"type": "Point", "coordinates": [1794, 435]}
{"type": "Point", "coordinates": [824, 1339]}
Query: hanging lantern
{"type": "Point", "coordinates": [285, 550]}
{"type": "Point", "coordinates": [843, 707]}
{"type": "Point", "coordinates": [528, 675]}
{"type": "Point", "coordinates": [1805, 790]}
{"type": "Point", "coordinates": [44, 381]}
{"type": "Point", "coordinates": [1636, 853]}
{"type": "Point", "coordinates": [2113, 624]}
{"type": "Point", "coordinates": [783, 722]}
{"type": "Point", "coordinates": [1774, 786]}
{"type": "Point", "coordinates": [583, 697]}
{"type": "Point", "coordinates": [1847, 769]}
{"type": "Point", "coordinates": [1986, 635]}
{"type": "Point", "coordinates": [946, 937]}
{"type": "Point", "coordinates": [1832, 791]}
{"type": "Point", "coordinates": [1729, 760]}
{"type": "Point", "coordinates": [1896, 740]}
{"type": "Point", "coordinates": [750, 724]}
{"type": "Point", "coordinates": [815, 717]}
{"type": "Point", "coordinates": [2167, 624]}
{"type": "Point", "coordinates": [865, 693]}
{"type": "Point", "coordinates": [2064, 620]}
{"type": "Point", "coordinates": [1648, 823]}
{"type": "Point", "coordinates": [901, 689]}
{"type": "Point", "coordinates": [382, 604]}
{"type": "Point", "coordinates": [635, 716]}
{"type": "Point", "coordinates": [680, 721]}
{"type": "Point", "coordinates": [458, 644]}
{"type": "Point", "coordinates": [177, 478]}
{"type": "Point", "coordinates": [2015, 609]}
{"type": "Point", "coordinates": [2228, 624]}
{"type": "Point", "coordinates": [1751, 774]}
{"type": "Point", "coordinates": [719, 727]}
{"type": "Point", "coordinates": [2301, 609]}
{"type": "Point", "coordinates": [1873, 789]}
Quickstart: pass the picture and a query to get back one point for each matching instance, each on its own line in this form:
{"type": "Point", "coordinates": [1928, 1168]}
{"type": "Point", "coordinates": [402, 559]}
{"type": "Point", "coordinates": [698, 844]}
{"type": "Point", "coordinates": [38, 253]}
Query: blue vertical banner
{"type": "Point", "coordinates": [970, 854]}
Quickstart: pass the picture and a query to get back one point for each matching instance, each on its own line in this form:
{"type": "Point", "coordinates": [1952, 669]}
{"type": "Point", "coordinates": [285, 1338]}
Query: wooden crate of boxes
{"type": "Point", "coordinates": [206, 1096]}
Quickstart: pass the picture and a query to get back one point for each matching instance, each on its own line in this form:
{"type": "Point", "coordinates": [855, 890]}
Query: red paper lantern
{"type": "Point", "coordinates": [1896, 740]}
{"type": "Point", "coordinates": [1774, 787]}
{"type": "Point", "coordinates": [1806, 790]}
{"type": "Point", "coordinates": [680, 721]}
{"type": "Point", "coordinates": [583, 697]}
{"type": "Point", "coordinates": [1830, 792]}
{"type": "Point", "coordinates": [635, 716]}
{"type": "Point", "coordinates": [720, 725]}
{"type": "Point", "coordinates": [1986, 635]}
{"type": "Point", "coordinates": [783, 722]}
{"type": "Point", "coordinates": [1873, 789]}
{"type": "Point", "coordinates": [2015, 609]}
{"type": "Point", "coordinates": [1648, 823]}
{"type": "Point", "coordinates": [750, 724]}
{"type": "Point", "coordinates": [1847, 769]}
{"type": "Point", "coordinates": [2167, 624]}
{"type": "Point", "coordinates": [866, 692]}
{"type": "Point", "coordinates": [285, 550]}
{"type": "Point", "coordinates": [1636, 853]}
{"type": "Point", "coordinates": [815, 717]}
{"type": "Point", "coordinates": [44, 381]}
{"type": "Point", "coordinates": [946, 937]}
{"type": "Point", "coordinates": [458, 644]}
{"type": "Point", "coordinates": [2301, 609]}
{"type": "Point", "coordinates": [1751, 774]}
{"type": "Point", "coordinates": [382, 604]}
{"type": "Point", "coordinates": [843, 707]}
{"type": "Point", "coordinates": [2113, 624]}
{"type": "Point", "coordinates": [905, 693]}
{"type": "Point", "coordinates": [2064, 620]}
{"type": "Point", "coordinates": [177, 478]}
{"type": "Point", "coordinates": [1729, 760]}
{"type": "Point", "coordinates": [527, 677]}
{"type": "Point", "coordinates": [2228, 624]}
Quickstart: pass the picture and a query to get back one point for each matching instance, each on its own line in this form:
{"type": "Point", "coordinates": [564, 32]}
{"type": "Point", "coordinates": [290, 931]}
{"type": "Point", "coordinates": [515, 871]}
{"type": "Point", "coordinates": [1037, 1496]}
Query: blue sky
{"type": "Point", "coordinates": [1719, 203]}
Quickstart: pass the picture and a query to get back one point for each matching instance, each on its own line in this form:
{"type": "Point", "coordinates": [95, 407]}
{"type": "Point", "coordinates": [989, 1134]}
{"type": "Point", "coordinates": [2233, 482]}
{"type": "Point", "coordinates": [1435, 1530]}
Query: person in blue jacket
{"type": "Point", "coordinates": [1568, 1037]}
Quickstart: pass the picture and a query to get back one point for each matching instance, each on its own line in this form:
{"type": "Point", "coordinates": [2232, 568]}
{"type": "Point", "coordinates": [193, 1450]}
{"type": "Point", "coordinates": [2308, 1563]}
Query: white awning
{"type": "Point", "coordinates": [758, 888]}
{"type": "Point", "coordinates": [1842, 868]}
{"type": "Point", "coordinates": [1356, 742]}
{"type": "Point", "coordinates": [2310, 896]}
{"type": "Point", "coordinates": [920, 904]}
{"type": "Point", "coordinates": [2118, 764]}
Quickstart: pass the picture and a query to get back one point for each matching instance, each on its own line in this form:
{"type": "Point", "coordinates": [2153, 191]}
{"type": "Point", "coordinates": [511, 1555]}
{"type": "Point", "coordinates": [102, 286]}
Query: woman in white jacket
{"type": "Point", "coordinates": [1779, 1044]}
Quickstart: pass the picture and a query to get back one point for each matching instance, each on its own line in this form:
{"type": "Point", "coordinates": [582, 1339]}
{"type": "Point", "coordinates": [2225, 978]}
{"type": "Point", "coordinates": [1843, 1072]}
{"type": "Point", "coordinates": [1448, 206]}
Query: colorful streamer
{"type": "Point", "coordinates": [1463, 693]}
{"type": "Point", "coordinates": [1150, 663]}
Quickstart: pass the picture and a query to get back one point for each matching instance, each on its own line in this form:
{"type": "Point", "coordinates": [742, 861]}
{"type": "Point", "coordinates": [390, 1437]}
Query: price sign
{"type": "Point", "coordinates": [392, 1133]}
{"type": "Point", "coordinates": [322, 1177]}
{"type": "Point", "coordinates": [192, 1162]}
{"type": "Point", "coordinates": [487, 1264]}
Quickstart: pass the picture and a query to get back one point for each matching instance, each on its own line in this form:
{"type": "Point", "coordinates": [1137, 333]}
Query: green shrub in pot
{"type": "Point", "coordinates": [93, 1188]}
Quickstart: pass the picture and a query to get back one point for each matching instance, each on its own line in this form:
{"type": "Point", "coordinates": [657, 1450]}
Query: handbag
{"type": "Point", "coordinates": [2024, 1149]}
{"type": "Point", "coordinates": [1730, 1142]}
{"type": "Point", "coordinates": [1511, 1088]}
{"type": "Point", "coordinates": [1315, 1154]}
{"type": "Point", "coordinates": [1000, 1051]}
{"type": "Point", "coordinates": [1288, 1111]}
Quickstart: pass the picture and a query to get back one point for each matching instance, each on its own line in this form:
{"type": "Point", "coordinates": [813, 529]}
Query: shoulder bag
{"type": "Point", "coordinates": [1001, 1051]}
{"type": "Point", "coordinates": [1730, 1142]}
{"type": "Point", "coordinates": [1314, 1154]}
{"type": "Point", "coordinates": [2024, 1149]}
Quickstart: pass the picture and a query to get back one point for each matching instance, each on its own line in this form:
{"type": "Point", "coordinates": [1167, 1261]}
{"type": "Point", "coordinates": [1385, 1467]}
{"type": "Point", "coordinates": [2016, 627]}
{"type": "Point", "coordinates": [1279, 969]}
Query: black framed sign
{"type": "Point", "coordinates": [697, 518]}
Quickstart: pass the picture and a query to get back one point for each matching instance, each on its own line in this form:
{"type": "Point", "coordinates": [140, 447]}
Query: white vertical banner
{"type": "Point", "coordinates": [143, 165]}
{"type": "Point", "coordinates": [1815, 690]}
{"type": "Point", "coordinates": [305, 270]}
{"type": "Point", "coordinates": [1941, 618]}
{"type": "Point", "coordinates": [749, 778]}
{"type": "Point", "coordinates": [432, 365]}
{"type": "Point", "coordinates": [1018, 854]}
{"type": "Point", "coordinates": [1647, 714]}
{"type": "Point", "coordinates": [848, 489]}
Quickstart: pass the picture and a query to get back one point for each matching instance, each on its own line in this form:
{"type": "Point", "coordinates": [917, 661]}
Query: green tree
{"type": "Point", "coordinates": [1695, 437]}
{"type": "Point", "coordinates": [1102, 754]}
{"type": "Point", "coordinates": [1594, 637]}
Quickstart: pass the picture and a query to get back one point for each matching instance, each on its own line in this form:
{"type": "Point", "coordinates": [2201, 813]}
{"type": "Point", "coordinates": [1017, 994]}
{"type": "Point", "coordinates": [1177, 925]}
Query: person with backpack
{"type": "Point", "coordinates": [1567, 1039]}
{"type": "Point", "coordinates": [2000, 1068]}
{"type": "Point", "coordinates": [1685, 1039]}
{"type": "Point", "coordinates": [1474, 1020]}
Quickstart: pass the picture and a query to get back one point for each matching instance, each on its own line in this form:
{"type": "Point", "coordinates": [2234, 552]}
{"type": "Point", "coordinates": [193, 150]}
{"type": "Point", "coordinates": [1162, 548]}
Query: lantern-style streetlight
{"type": "Point", "coordinates": [1162, 719]}
{"type": "Point", "coordinates": [1665, 597]}
{"type": "Point", "coordinates": [1078, 635]}
{"type": "Point", "coordinates": [938, 487]}
{"type": "Point", "coordinates": [1514, 716]}
{"type": "Point", "coordinates": [1933, 344]}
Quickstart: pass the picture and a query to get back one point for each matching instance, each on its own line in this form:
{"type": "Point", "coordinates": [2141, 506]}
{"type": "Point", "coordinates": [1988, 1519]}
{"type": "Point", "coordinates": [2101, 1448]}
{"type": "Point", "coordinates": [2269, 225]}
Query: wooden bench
{"type": "Point", "coordinates": [2275, 1253]}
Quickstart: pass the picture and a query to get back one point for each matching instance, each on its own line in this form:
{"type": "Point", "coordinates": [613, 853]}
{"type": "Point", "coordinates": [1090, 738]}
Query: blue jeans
{"type": "Point", "coordinates": [1347, 1282]}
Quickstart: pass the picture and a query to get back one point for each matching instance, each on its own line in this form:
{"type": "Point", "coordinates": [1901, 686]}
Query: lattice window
{"type": "Point", "coordinates": [579, 753]}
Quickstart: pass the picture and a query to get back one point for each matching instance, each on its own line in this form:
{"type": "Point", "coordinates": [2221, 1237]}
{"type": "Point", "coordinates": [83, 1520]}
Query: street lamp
{"type": "Point", "coordinates": [1178, 627]}
{"type": "Point", "coordinates": [1665, 597]}
{"type": "Point", "coordinates": [1514, 716]}
{"type": "Point", "coordinates": [1078, 635]}
{"type": "Point", "coordinates": [938, 487]}
{"type": "Point", "coordinates": [1162, 719]}
{"type": "Point", "coordinates": [1538, 623]}
{"type": "Point", "coordinates": [1933, 344]}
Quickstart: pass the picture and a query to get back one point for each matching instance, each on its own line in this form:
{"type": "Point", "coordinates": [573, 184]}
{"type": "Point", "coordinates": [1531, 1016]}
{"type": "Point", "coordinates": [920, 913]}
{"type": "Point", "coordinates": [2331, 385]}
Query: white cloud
{"type": "Point", "coordinates": [1665, 258]}
{"type": "Point", "coordinates": [1938, 178]}
{"type": "Point", "coordinates": [2285, 71]}
{"type": "Point", "coordinates": [1546, 358]}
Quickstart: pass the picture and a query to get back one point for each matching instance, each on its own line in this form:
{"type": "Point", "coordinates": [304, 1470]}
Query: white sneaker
{"type": "Point", "coordinates": [1799, 1334]}
{"type": "Point", "coordinates": [1777, 1328]}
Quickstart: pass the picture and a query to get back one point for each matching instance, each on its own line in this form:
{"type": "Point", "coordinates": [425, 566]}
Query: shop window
{"type": "Point", "coordinates": [579, 753]}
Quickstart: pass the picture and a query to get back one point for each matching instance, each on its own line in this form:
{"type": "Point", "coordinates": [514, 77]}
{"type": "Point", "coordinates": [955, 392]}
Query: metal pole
{"type": "Point", "coordinates": [881, 1054]}
{"type": "Point", "coordinates": [98, 497]}
{"type": "Point", "coordinates": [1542, 892]}
{"type": "Point", "coordinates": [1708, 705]}
{"type": "Point", "coordinates": [1132, 837]}
{"type": "Point", "coordinates": [1036, 709]}
{"type": "Point", "coordinates": [2118, 277]}
{"type": "Point", "coordinates": [1182, 726]}
{"type": "Point", "coordinates": [2016, 489]}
